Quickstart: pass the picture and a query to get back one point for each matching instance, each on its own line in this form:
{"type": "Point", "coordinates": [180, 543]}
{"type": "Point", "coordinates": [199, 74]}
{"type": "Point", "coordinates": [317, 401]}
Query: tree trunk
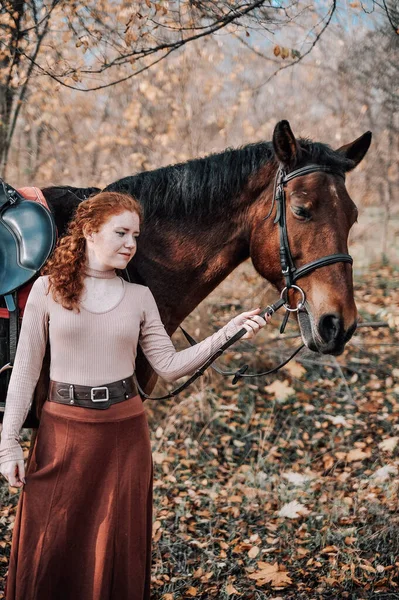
{"type": "Point", "coordinates": [8, 64]}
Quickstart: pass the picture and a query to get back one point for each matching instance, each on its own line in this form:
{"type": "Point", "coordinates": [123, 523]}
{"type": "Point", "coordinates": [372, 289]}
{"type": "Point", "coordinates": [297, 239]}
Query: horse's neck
{"type": "Point", "coordinates": [182, 269]}
{"type": "Point", "coordinates": [184, 263]}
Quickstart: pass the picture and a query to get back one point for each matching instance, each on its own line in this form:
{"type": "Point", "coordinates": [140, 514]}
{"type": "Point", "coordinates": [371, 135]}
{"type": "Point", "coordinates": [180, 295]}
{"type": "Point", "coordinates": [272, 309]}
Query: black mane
{"type": "Point", "coordinates": [197, 187]}
{"type": "Point", "coordinates": [203, 187]}
{"type": "Point", "coordinates": [207, 186]}
{"type": "Point", "coordinates": [64, 199]}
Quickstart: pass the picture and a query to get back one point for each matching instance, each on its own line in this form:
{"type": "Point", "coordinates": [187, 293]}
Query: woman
{"type": "Point", "coordinates": [84, 518]}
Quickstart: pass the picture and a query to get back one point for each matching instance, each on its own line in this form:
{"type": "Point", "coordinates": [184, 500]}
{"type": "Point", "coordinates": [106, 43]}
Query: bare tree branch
{"type": "Point", "coordinates": [389, 12]}
{"type": "Point", "coordinates": [302, 56]}
{"type": "Point", "coordinates": [144, 52]}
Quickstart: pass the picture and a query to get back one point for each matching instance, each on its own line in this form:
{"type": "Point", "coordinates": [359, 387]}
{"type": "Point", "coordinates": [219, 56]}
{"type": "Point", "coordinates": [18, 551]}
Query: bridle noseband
{"type": "Point", "coordinates": [290, 272]}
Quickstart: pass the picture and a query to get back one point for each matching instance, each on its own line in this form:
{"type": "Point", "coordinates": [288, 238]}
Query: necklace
{"type": "Point", "coordinates": [108, 274]}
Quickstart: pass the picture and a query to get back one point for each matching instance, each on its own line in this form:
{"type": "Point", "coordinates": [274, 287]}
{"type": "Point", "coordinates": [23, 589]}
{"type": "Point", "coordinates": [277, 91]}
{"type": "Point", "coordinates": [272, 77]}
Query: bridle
{"type": "Point", "coordinates": [290, 272]}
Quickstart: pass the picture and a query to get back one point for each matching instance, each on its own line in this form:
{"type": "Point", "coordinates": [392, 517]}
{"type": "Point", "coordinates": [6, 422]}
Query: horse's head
{"type": "Point", "coordinates": [319, 214]}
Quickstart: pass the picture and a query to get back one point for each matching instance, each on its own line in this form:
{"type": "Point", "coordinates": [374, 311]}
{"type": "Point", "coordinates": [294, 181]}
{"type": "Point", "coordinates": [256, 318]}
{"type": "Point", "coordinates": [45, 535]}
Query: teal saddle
{"type": "Point", "coordinates": [27, 238]}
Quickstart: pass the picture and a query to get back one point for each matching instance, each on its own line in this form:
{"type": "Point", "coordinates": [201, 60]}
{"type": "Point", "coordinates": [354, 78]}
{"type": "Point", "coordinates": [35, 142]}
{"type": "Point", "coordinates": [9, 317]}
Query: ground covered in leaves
{"type": "Point", "coordinates": [284, 488]}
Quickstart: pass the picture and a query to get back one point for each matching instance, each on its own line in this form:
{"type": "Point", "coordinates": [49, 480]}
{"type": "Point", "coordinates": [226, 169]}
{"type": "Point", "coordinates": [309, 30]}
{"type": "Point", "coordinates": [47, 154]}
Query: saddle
{"type": "Point", "coordinates": [28, 236]}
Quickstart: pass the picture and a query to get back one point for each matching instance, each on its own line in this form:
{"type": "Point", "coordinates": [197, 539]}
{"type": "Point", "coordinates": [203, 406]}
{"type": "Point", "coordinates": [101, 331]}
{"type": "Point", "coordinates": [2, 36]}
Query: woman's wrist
{"type": "Point", "coordinates": [10, 449]}
{"type": "Point", "coordinates": [231, 329]}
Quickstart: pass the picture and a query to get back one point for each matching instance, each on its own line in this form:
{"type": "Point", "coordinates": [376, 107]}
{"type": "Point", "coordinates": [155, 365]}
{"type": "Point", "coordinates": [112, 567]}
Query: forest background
{"type": "Point", "coordinates": [285, 488]}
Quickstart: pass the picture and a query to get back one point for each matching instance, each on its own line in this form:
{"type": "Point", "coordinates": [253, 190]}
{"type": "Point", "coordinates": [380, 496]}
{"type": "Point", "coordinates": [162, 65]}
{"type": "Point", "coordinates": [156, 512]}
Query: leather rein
{"type": "Point", "coordinates": [291, 275]}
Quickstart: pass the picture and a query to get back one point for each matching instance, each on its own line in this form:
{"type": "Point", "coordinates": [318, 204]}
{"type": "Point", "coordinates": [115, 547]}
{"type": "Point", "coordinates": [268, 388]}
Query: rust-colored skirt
{"type": "Point", "coordinates": [84, 520]}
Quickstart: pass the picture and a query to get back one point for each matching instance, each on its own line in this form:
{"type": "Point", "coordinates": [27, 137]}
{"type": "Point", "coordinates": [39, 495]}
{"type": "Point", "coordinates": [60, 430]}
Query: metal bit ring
{"type": "Point", "coordinates": [300, 303]}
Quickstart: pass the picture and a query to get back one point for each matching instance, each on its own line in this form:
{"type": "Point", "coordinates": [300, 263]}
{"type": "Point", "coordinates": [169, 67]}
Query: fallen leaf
{"type": "Point", "coordinates": [235, 499]}
{"type": "Point", "coordinates": [350, 540]}
{"type": "Point", "coordinates": [328, 461]}
{"type": "Point", "coordinates": [296, 478]}
{"type": "Point", "coordinates": [238, 443]}
{"type": "Point", "coordinates": [293, 510]}
{"type": "Point", "coordinates": [367, 568]}
{"type": "Point", "coordinates": [254, 551]}
{"type": "Point", "coordinates": [389, 444]}
{"type": "Point", "coordinates": [341, 455]}
{"type": "Point", "coordinates": [198, 573]}
{"type": "Point", "coordinates": [280, 389]}
{"type": "Point", "coordinates": [338, 420]}
{"type": "Point", "coordinates": [275, 574]}
{"type": "Point", "coordinates": [158, 457]}
{"type": "Point", "coordinates": [380, 568]}
{"type": "Point", "coordinates": [230, 589]}
{"type": "Point", "coordinates": [295, 369]}
{"type": "Point", "coordinates": [330, 581]}
{"type": "Point", "coordinates": [383, 473]}
{"type": "Point", "coordinates": [356, 454]}
{"type": "Point", "coordinates": [329, 549]}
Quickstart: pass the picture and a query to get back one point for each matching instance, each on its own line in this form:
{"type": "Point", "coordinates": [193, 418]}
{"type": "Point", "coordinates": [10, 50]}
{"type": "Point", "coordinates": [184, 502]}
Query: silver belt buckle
{"type": "Point", "coordinates": [93, 389]}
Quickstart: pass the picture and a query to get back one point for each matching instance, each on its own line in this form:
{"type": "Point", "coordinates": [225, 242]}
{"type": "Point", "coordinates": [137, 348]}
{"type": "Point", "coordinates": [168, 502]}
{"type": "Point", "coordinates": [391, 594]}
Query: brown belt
{"type": "Point", "coordinates": [100, 397]}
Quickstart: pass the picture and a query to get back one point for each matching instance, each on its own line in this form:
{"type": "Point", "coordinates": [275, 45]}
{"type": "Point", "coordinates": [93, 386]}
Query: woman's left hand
{"type": "Point", "coordinates": [252, 322]}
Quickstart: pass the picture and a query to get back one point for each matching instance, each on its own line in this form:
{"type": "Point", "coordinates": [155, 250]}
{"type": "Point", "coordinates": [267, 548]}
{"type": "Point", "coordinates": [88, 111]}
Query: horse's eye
{"type": "Point", "coordinates": [301, 213]}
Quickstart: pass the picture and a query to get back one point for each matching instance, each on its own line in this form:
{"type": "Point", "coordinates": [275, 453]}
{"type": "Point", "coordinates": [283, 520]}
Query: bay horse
{"type": "Point", "coordinates": [204, 217]}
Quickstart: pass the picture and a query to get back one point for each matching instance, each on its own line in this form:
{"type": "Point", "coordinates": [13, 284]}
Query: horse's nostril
{"type": "Point", "coordinates": [330, 327]}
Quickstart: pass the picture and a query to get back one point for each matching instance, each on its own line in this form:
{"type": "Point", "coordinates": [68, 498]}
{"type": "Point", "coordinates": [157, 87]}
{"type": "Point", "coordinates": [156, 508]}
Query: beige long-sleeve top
{"type": "Point", "coordinates": [92, 348]}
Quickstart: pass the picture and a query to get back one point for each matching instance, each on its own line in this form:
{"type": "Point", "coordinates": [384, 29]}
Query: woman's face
{"type": "Point", "coordinates": [114, 244]}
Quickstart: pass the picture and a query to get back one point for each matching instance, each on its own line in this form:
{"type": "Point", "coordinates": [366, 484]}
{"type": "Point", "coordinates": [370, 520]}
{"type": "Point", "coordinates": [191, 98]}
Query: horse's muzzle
{"type": "Point", "coordinates": [328, 336]}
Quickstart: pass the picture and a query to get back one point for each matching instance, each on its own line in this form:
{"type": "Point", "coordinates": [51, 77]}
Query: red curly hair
{"type": "Point", "coordinates": [65, 267]}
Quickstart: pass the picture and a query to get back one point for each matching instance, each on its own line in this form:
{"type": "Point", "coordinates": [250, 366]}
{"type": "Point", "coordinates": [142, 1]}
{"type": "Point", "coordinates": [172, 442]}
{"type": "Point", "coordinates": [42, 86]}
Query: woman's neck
{"type": "Point", "coordinates": [100, 274]}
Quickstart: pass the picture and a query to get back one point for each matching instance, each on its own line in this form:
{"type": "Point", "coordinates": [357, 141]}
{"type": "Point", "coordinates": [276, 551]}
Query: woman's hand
{"type": "Point", "coordinates": [252, 322]}
{"type": "Point", "coordinates": [14, 472]}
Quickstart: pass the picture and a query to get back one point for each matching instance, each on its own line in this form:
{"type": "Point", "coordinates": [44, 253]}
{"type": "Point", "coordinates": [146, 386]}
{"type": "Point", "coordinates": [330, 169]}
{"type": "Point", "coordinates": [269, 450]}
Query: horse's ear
{"type": "Point", "coordinates": [285, 145]}
{"type": "Point", "coordinates": [357, 150]}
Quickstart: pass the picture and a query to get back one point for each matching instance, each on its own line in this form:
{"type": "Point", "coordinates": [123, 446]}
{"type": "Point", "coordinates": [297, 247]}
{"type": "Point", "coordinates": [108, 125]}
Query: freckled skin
{"type": "Point", "coordinates": [115, 243]}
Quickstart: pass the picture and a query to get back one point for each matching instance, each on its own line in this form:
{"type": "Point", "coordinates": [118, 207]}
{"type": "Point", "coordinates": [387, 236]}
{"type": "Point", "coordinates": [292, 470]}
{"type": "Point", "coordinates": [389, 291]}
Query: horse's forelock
{"type": "Point", "coordinates": [323, 154]}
